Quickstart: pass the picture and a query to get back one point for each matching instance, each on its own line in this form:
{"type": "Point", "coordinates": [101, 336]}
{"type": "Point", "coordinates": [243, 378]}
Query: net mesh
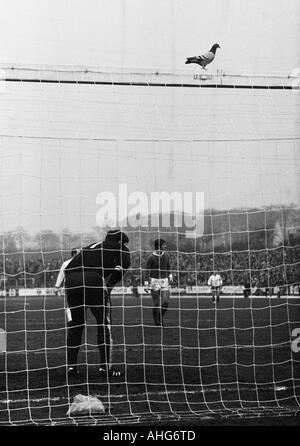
{"type": "Point", "coordinates": [68, 136]}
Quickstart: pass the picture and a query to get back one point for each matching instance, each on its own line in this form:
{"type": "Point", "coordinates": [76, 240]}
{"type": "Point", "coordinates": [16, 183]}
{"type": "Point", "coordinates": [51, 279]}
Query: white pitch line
{"type": "Point", "coordinates": [142, 394]}
{"type": "Point", "coordinates": [145, 347]}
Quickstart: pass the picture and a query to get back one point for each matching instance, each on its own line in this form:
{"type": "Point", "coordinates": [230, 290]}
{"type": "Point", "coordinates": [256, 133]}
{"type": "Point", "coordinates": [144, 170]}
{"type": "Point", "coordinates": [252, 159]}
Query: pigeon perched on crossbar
{"type": "Point", "coordinates": [204, 59]}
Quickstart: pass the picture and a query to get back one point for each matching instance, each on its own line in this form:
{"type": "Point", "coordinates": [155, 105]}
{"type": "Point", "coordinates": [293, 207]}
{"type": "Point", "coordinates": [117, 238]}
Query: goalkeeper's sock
{"type": "Point", "coordinates": [164, 310]}
{"type": "Point", "coordinates": [156, 316]}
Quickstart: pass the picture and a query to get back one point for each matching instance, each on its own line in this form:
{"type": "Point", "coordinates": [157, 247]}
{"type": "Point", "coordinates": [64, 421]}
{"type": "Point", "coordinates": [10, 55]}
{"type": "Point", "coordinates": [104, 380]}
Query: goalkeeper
{"type": "Point", "coordinates": [90, 277]}
{"type": "Point", "coordinates": [158, 278]}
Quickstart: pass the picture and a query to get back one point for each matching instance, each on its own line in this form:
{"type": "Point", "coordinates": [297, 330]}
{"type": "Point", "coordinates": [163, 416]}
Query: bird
{"type": "Point", "coordinates": [204, 59]}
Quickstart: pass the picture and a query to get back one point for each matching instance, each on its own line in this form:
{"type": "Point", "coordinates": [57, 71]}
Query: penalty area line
{"type": "Point", "coordinates": [104, 399]}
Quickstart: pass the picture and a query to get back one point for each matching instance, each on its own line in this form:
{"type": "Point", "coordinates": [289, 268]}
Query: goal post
{"type": "Point", "coordinates": [2, 341]}
{"type": "Point", "coordinates": [208, 163]}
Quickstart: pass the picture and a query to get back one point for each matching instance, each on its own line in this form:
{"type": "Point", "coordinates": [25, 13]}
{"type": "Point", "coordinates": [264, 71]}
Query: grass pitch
{"type": "Point", "coordinates": [209, 364]}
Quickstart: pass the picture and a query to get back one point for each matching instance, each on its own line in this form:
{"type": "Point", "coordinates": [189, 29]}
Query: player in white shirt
{"type": "Point", "coordinates": [215, 282]}
{"type": "Point", "coordinates": [61, 279]}
{"type": "Point", "coordinates": [61, 275]}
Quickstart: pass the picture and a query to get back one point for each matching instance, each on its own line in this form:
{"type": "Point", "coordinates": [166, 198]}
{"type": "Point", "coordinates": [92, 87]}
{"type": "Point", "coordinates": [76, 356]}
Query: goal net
{"type": "Point", "coordinates": [208, 163]}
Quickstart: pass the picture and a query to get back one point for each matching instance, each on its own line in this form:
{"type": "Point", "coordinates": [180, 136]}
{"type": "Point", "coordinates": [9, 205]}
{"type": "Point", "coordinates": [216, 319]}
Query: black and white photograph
{"type": "Point", "coordinates": [149, 216]}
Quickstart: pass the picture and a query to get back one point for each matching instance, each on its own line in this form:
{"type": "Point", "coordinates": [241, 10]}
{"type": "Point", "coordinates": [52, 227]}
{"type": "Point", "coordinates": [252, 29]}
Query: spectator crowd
{"type": "Point", "coordinates": [263, 268]}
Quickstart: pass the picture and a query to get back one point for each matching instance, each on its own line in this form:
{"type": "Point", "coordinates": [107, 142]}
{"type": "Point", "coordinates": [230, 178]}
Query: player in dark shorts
{"type": "Point", "coordinates": [158, 279]}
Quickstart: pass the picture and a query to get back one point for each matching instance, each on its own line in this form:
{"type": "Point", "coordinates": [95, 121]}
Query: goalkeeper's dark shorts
{"type": "Point", "coordinates": [84, 288]}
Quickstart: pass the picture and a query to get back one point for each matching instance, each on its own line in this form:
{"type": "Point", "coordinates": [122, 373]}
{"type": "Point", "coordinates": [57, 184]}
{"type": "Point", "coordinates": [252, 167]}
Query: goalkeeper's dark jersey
{"type": "Point", "coordinates": [158, 266]}
{"type": "Point", "coordinates": [108, 258]}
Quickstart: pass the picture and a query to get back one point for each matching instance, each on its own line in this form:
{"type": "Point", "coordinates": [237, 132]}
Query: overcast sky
{"type": "Point", "coordinates": [55, 157]}
{"type": "Point", "coordinates": [255, 35]}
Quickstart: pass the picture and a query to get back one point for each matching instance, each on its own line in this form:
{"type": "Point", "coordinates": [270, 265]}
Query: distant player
{"type": "Point", "coordinates": [247, 288]}
{"type": "Point", "coordinates": [158, 279]}
{"type": "Point", "coordinates": [215, 282]}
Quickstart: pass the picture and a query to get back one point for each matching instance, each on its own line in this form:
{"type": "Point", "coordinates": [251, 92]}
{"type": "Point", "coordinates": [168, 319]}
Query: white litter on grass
{"type": "Point", "coordinates": [85, 405]}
